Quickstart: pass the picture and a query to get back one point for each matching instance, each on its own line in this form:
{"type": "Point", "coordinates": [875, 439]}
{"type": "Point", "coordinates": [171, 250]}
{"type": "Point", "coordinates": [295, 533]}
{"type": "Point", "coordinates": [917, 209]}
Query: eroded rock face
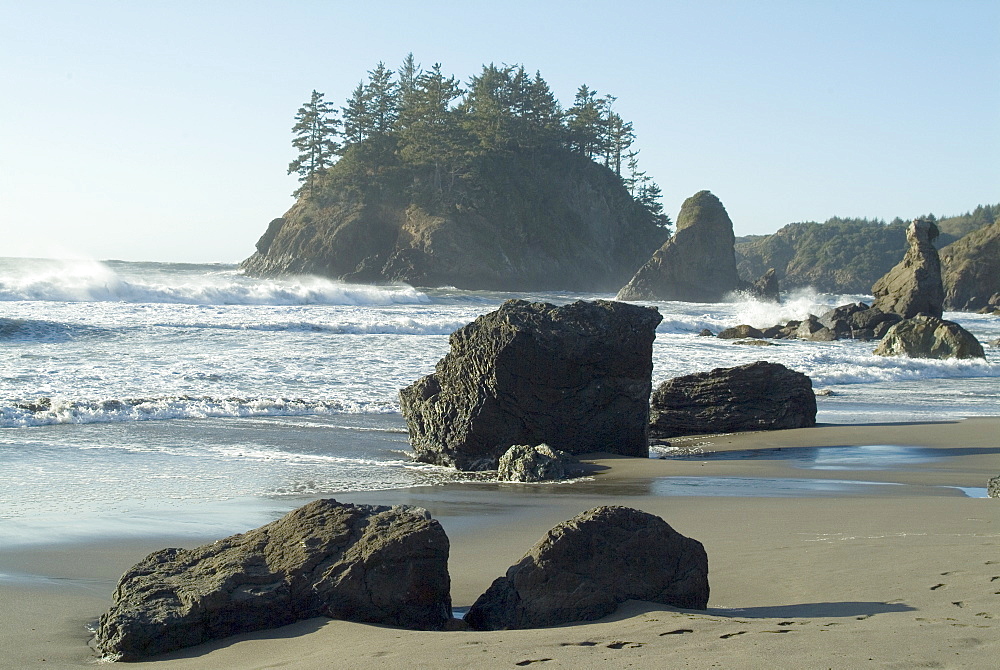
{"type": "Point", "coordinates": [585, 568]}
{"type": "Point", "coordinates": [575, 377]}
{"type": "Point", "coordinates": [971, 269]}
{"type": "Point", "coordinates": [364, 563]}
{"type": "Point", "coordinates": [758, 396]}
{"type": "Point", "coordinates": [929, 337]}
{"type": "Point", "coordinates": [540, 463]}
{"type": "Point", "coordinates": [914, 285]}
{"type": "Point", "coordinates": [697, 264]}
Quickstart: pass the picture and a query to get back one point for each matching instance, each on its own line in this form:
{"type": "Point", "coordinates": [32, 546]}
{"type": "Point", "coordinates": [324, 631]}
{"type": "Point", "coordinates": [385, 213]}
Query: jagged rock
{"type": "Point", "coordinates": [739, 332]}
{"type": "Point", "coordinates": [705, 332]}
{"type": "Point", "coordinates": [839, 319]}
{"type": "Point", "coordinates": [766, 288]}
{"type": "Point", "coordinates": [757, 396]}
{"type": "Point", "coordinates": [575, 377]}
{"type": "Point", "coordinates": [525, 463]}
{"type": "Point", "coordinates": [585, 568]}
{"type": "Point", "coordinates": [697, 264]}
{"type": "Point", "coordinates": [386, 565]}
{"type": "Point", "coordinates": [970, 269]}
{"type": "Point", "coordinates": [929, 337]}
{"type": "Point", "coordinates": [812, 329]}
{"type": "Point", "coordinates": [914, 285]}
{"type": "Point", "coordinates": [756, 343]}
{"type": "Point", "coordinates": [993, 487]}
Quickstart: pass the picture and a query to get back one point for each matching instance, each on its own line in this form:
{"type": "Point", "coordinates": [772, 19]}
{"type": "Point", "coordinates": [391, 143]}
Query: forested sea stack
{"type": "Point", "coordinates": [697, 264]}
{"type": "Point", "coordinates": [491, 187]}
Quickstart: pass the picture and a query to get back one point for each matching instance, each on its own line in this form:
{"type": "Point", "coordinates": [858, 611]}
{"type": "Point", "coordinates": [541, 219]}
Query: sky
{"type": "Point", "coordinates": [161, 131]}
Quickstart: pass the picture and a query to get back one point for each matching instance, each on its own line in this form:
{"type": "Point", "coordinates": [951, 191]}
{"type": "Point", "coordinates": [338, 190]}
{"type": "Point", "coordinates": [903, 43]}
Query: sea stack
{"type": "Point", "coordinates": [697, 264]}
{"type": "Point", "coordinates": [971, 269]}
{"type": "Point", "coordinates": [914, 286]}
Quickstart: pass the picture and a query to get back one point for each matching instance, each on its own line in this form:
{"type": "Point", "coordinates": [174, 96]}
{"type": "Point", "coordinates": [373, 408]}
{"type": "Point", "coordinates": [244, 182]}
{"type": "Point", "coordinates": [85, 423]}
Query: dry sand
{"type": "Point", "coordinates": [887, 576]}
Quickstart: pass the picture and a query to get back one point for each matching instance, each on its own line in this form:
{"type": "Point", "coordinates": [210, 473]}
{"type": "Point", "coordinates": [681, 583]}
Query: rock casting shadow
{"type": "Point", "coordinates": [811, 610]}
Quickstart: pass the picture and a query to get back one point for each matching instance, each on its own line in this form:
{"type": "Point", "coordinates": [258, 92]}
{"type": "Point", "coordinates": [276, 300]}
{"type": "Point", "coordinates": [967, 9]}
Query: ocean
{"type": "Point", "coordinates": [179, 399]}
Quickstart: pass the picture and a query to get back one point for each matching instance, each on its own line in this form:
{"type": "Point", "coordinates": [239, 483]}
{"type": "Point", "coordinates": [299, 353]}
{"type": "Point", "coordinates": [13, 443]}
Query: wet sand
{"type": "Point", "coordinates": [902, 572]}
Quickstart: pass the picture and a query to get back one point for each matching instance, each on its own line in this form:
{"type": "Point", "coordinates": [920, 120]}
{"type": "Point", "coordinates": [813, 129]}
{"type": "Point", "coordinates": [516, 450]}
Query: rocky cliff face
{"type": "Point", "coordinates": [533, 223]}
{"type": "Point", "coordinates": [697, 264]}
{"type": "Point", "coordinates": [971, 269]}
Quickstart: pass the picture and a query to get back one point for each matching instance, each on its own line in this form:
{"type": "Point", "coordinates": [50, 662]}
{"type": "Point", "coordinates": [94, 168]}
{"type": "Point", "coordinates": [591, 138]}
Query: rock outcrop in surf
{"type": "Point", "coordinates": [914, 285]}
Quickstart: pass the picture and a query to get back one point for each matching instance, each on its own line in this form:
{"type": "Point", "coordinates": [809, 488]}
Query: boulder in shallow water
{"type": "Point", "coordinates": [386, 565]}
{"type": "Point", "coordinates": [525, 463]}
{"type": "Point", "coordinates": [575, 377]}
{"type": "Point", "coordinates": [585, 568]}
{"type": "Point", "coordinates": [929, 337]}
{"type": "Point", "coordinates": [740, 332]}
{"type": "Point", "coordinates": [758, 396]}
{"type": "Point", "coordinates": [993, 487]}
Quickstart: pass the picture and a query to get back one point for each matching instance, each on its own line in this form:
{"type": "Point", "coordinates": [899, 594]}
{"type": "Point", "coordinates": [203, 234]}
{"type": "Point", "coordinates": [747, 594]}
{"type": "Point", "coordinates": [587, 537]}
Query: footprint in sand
{"type": "Point", "coordinates": [617, 644]}
{"type": "Point", "coordinates": [958, 603]}
{"type": "Point", "coordinates": [679, 631]}
{"type": "Point", "coordinates": [729, 635]}
{"type": "Point", "coordinates": [936, 587]}
{"type": "Point", "coordinates": [533, 660]}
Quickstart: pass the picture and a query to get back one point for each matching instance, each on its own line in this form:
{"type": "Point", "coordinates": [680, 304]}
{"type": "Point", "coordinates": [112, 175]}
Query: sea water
{"type": "Point", "coordinates": [142, 397]}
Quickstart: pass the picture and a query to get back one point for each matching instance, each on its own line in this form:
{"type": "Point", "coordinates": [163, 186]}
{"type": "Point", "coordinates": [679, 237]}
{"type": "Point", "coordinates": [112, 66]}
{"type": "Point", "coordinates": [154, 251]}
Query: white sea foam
{"type": "Point", "coordinates": [93, 281]}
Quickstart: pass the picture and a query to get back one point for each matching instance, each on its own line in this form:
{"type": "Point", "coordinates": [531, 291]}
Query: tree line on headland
{"type": "Point", "coordinates": [845, 255]}
{"type": "Point", "coordinates": [435, 140]}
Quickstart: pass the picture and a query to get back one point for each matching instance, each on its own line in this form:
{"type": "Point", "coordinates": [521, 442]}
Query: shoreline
{"type": "Point", "coordinates": [872, 577]}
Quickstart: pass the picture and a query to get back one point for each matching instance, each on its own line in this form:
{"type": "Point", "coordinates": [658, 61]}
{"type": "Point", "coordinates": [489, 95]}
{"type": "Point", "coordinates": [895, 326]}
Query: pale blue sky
{"type": "Point", "coordinates": [161, 130]}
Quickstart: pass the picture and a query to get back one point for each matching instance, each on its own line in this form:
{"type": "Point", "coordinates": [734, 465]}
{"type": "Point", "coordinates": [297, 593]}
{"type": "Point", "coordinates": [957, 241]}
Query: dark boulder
{"type": "Point", "coordinates": [914, 285]}
{"type": "Point", "coordinates": [811, 329]}
{"type": "Point", "coordinates": [697, 264]}
{"type": "Point", "coordinates": [740, 332]}
{"type": "Point", "coordinates": [386, 565]}
{"type": "Point", "coordinates": [585, 568]}
{"type": "Point", "coordinates": [757, 396]}
{"type": "Point", "coordinates": [525, 463]}
{"type": "Point", "coordinates": [929, 337]}
{"type": "Point", "coordinates": [575, 377]}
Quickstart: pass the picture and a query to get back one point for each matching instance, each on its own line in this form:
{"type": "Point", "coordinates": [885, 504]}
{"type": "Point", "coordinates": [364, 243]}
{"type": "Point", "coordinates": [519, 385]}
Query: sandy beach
{"type": "Point", "coordinates": [896, 568]}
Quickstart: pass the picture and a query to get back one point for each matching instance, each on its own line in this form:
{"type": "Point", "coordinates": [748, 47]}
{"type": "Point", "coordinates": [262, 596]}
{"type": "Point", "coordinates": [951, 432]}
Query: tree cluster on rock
{"type": "Point", "coordinates": [489, 184]}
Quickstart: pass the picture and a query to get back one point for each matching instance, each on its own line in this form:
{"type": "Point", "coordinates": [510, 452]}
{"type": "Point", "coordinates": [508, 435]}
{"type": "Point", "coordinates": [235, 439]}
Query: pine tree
{"type": "Point", "coordinates": [315, 132]}
{"type": "Point", "coordinates": [585, 123]}
{"type": "Point", "coordinates": [429, 132]}
{"type": "Point", "coordinates": [356, 116]}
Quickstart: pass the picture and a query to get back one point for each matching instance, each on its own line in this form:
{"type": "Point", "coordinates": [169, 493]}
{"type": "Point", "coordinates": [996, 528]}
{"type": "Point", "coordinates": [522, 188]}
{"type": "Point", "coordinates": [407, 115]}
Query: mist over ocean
{"type": "Point", "coordinates": [130, 392]}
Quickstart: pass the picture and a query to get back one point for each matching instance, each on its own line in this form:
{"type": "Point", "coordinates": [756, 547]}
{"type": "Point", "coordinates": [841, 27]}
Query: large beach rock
{"type": "Point", "coordinates": [540, 463]}
{"type": "Point", "coordinates": [697, 264]}
{"type": "Point", "coordinates": [585, 568]}
{"type": "Point", "coordinates": [914, 285]}
{"type": "Point", "coordinates": [386, 565]}
{"type": "Point", "coordinates": [929, 337]}
{"type": "Point", "coordinates": [575, 377]}
{"type": "Point", "coordinates": [758, 396]}
{"type": "Point", "coordinates": [993, 487]}
{"type": "Point", "coordinates": [971, 269]}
